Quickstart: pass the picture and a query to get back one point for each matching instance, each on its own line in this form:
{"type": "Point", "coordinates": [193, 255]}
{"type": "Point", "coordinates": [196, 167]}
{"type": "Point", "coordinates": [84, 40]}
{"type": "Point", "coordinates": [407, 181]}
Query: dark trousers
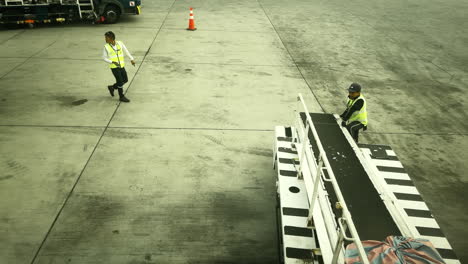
{"type": "Point", "coordinates": [121, 78]}
{"type": "Point", "coordinates": [354, 128]}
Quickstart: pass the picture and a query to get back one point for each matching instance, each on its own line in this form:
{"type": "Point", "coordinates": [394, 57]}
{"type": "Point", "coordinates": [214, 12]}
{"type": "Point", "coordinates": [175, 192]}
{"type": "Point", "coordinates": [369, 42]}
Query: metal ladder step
{"type": "Point", "coordinates": [85, 7]}
{"type": "Point", "coordinates": [13, 2]}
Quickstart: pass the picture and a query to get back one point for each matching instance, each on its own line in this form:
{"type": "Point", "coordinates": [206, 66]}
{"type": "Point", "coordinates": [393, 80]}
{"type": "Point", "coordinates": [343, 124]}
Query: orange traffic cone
{"type": "Point", "coordinates": [191, 25]}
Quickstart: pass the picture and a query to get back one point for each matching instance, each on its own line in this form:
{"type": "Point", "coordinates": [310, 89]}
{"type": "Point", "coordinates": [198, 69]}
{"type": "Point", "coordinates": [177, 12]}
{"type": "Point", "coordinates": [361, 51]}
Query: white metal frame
{"type": "Point", "coordinates": [84, 6]}
{"type": "Point", "coordinates": [21, 3]}
{"type": "Point", "coordinates": [295, 200]}
{"type": "Point", "coordinates": [7, 2]}
{"type": "Point", "coordinates": [323, 215]}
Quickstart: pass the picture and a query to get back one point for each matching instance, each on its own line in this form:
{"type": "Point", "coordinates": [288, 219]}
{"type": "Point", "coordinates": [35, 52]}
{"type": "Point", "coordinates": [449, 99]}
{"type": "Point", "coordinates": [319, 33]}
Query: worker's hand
{"type": "Point", "coordinates": [365, 128]}
{"type": "Point", "coordinates": [343, 124]}
{"type": "Point", "coordinates": [116, 63]}
{"type": "Point", "coordinates": [133, 62]}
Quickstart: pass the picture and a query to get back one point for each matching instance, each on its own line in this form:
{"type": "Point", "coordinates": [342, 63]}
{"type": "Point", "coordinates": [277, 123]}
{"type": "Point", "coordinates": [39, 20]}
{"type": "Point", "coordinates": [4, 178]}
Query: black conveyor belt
{"type": "Point", "coordinates": [370, 216]}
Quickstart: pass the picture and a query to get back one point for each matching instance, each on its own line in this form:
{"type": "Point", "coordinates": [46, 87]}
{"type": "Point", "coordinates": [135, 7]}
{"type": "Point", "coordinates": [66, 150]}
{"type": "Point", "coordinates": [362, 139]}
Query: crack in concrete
{"type": "Point", "coordinates": [12, 37]}
{"type": "Point", "coordinates": [21, 64]}
{"type": "Point", "coordinates": [228, 129]}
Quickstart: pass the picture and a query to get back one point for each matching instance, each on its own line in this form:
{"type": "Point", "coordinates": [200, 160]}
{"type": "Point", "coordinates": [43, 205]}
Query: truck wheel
{"type": "Point", "coordinates": [111, 14]}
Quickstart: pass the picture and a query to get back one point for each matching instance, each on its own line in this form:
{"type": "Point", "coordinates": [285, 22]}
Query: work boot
{"type": "Point", "coordinates": [111, 90]}
{"type": "Point", "coordinates": [122, 96]}
{"type": "Point", "coordinates": [124, 99]}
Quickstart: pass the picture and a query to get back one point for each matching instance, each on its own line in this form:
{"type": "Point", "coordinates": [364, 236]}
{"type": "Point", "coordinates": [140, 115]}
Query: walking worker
{"type": "Point", "coordinates": [113, 54]}
{"type": "Point", "coordinates": [355, 116]}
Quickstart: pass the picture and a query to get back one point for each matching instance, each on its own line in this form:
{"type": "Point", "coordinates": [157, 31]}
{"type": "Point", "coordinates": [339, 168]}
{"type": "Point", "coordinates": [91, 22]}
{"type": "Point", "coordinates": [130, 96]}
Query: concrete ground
{"type": "Point", "coordinates": [183, 173]}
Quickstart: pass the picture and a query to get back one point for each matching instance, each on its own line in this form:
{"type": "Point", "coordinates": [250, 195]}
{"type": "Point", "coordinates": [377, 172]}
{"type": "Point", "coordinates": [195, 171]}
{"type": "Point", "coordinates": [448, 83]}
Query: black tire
{"type": "Point", "coordinates": [111, 14]}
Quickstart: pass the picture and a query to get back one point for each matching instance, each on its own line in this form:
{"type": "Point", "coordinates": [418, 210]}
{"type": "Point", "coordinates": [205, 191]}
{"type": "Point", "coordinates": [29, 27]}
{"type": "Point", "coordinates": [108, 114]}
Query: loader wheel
{"type": "Point", "coordinates": [111, 14]}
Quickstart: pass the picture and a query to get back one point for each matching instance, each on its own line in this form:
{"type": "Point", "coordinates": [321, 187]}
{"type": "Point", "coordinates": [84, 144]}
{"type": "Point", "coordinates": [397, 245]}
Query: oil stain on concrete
{"type": "Point", "coordinates": [70, 101]}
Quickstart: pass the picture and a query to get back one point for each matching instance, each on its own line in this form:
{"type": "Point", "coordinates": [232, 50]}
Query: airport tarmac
{"type": "Point", "coordinates": [183, 173]}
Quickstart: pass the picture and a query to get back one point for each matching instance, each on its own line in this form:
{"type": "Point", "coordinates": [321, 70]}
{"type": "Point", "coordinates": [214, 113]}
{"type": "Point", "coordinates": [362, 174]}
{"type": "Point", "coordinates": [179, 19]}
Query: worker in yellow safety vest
{"type": "Point", "coordinates": [355, 116]}
{"type": "Point", "coordinates": [113, 54]}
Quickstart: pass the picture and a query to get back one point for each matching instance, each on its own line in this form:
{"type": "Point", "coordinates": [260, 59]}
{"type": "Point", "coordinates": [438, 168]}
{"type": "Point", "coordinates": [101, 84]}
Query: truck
{"type": "Point", "coordinates": [50, 11]}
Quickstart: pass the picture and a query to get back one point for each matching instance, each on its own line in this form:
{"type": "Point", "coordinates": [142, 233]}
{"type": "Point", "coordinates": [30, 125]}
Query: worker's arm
{"type": "Point", "coordinates": [126, 51]}
{"type": "Point", "coordinates": [105, 56]}
{"type": "Point", "coordinates": [344, 113]}
{"type": "Point", "coordinates": [356, 107]}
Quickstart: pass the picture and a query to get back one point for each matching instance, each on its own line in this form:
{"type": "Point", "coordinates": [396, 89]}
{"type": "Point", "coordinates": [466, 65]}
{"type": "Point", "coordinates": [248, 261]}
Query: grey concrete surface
{"type": "Point", "coordinates": [201, 205]}
{"type": "Point", "coordinates": [9, 64]}
{"type": "Point", "coordinates": [182, 174]}
{"type": "Point", "coordinates": [176, 95]}
{"type": "Point", "coordinates": [220, 47]}
{"type": "Point", "coordinates": [55, 100]}
{"type": "Point", "coordinates": [38, 168]}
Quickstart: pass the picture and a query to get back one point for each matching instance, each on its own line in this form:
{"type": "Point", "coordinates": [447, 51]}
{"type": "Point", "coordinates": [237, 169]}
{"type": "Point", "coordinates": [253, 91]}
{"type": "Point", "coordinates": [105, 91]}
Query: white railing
{"type": "Point", "coordinates": [13, 2]}
{"type": "Point", "coordinates": [42, 2]}
{"type": "Point", "coordinates": [345, 221]}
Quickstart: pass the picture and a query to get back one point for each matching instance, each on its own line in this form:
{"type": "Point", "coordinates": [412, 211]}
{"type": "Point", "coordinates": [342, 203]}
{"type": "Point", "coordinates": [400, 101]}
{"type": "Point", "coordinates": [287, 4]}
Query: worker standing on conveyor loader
{"type": "Point", "coordinates": [114, 55]}
{"type": "Point", "coordinates": [355, 116]}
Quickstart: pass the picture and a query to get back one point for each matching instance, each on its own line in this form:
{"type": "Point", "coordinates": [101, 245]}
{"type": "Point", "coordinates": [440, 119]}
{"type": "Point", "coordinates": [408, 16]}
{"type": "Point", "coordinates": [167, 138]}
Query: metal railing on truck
{"type": "Point", "coordinates": [37, 2]}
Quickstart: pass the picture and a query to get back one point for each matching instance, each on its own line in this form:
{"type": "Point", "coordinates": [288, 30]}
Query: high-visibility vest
{"type": "Point", "coordinates": [360, 115]}
{"type": "Point", "coordinates": [115, 55]}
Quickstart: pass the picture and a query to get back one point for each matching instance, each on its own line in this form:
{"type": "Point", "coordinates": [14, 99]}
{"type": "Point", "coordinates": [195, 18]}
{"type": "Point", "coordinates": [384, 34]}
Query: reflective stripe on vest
{"type": "Point", "coordinates": [115, 55]}
{"type": "Point", "coordinates": [360, 115]}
